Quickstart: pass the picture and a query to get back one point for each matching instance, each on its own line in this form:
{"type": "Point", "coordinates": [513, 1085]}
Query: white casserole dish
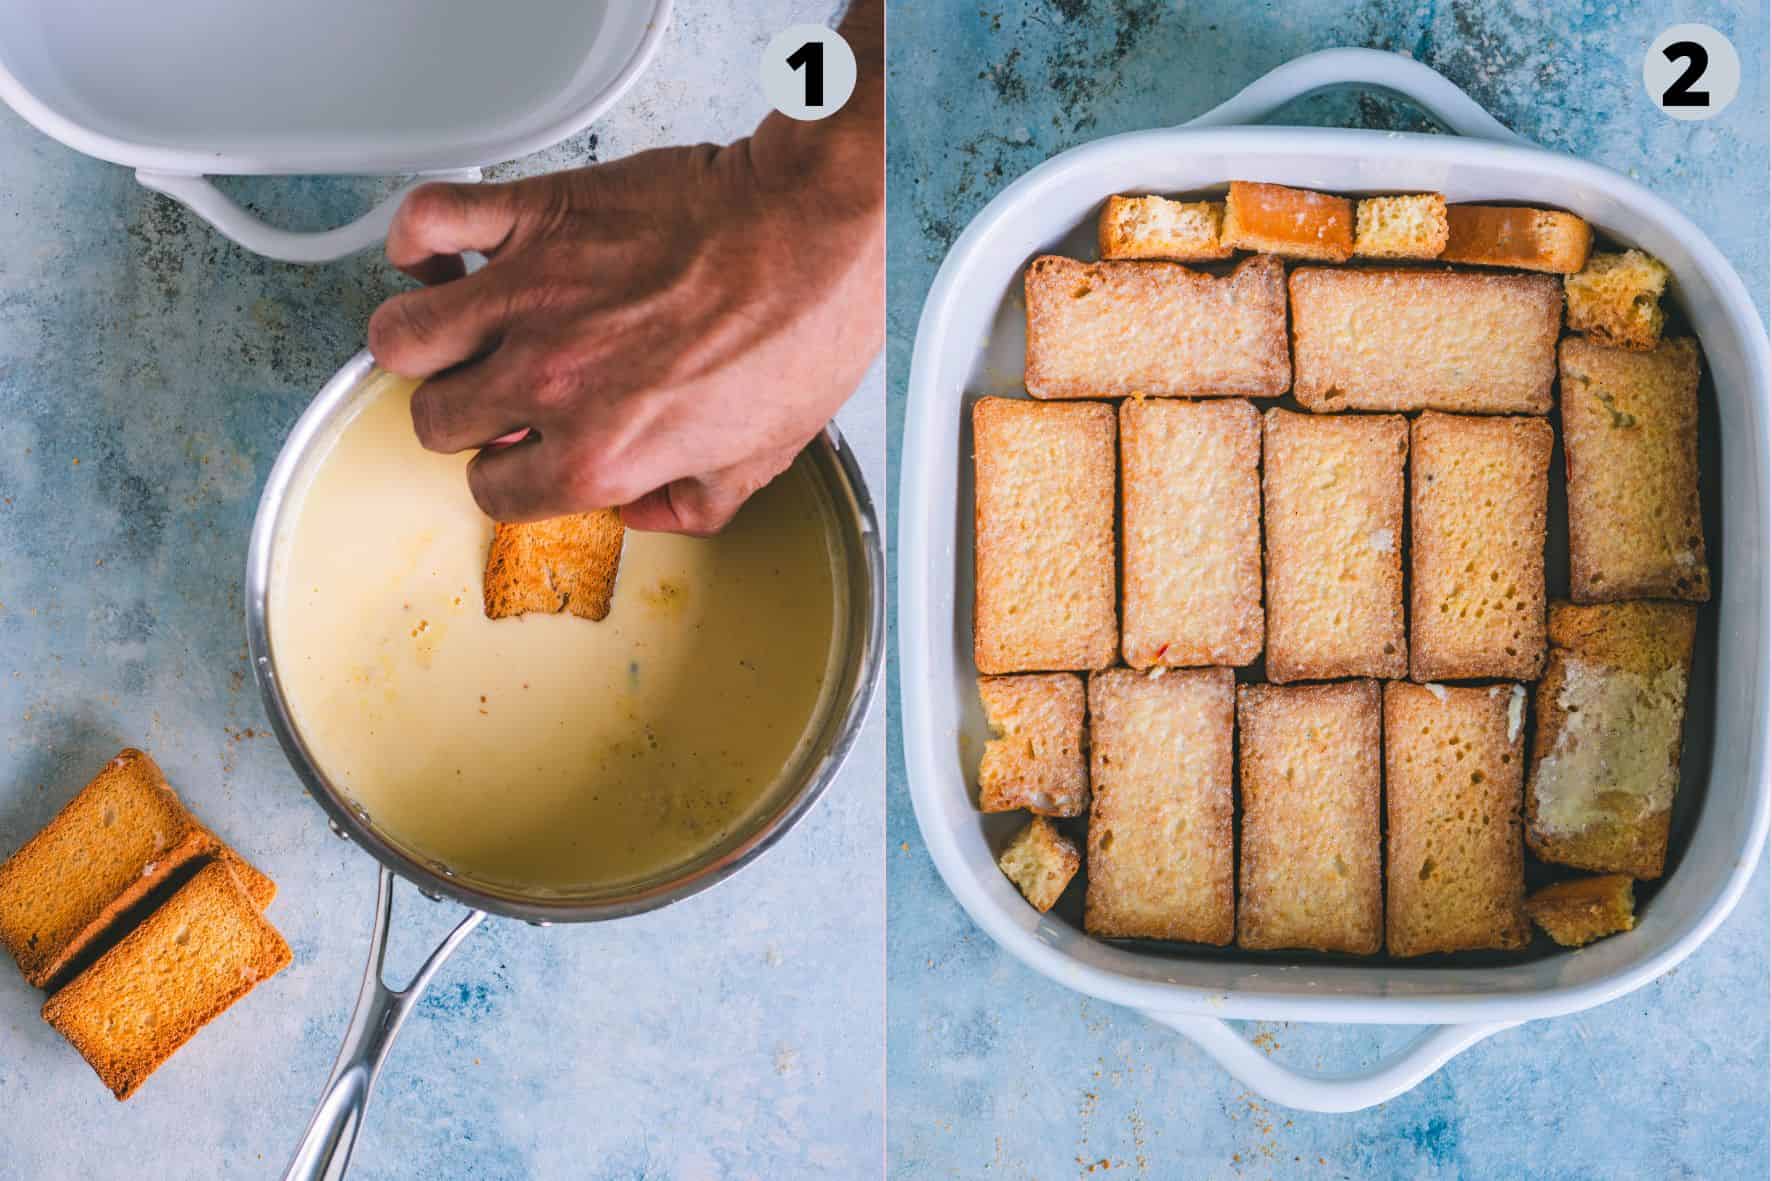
{"type": "Point", "coordinates": [970, 341]}
{"type": "Point", "coordinates": [184, 89]}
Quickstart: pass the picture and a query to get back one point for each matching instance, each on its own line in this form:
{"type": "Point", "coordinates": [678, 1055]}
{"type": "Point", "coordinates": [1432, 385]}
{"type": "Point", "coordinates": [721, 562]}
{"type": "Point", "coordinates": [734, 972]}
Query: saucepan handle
{"type": "Point", "coordinates": [1308, 1090]}
{"type": "Point", "coordinates": [325, 1149]}
{"type": "Point", "coordinates": [200, 196]}
{"type": "Point", "coordinates": [1368, 69]}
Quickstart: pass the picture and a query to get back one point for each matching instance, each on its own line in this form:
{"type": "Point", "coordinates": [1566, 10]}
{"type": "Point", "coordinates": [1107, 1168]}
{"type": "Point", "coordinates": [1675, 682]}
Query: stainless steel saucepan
{"type": "Point", "coordinates": [325, 1149]}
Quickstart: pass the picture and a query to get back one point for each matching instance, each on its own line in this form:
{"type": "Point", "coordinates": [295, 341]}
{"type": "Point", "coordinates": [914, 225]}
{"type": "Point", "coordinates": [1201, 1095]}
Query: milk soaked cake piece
{"type": "Point", "coordinates": [199, 952]}
{"type": "Point", "coordinates": [564, 564]}
{"type": "Point", "coordinates": [107, 849]}
{"type": "Point", "coordinates": [1296, 223]}
{"type": "Point", "coordinates": [1041, 862]}
{"type": "Point", "coordinates": [1161, 852]}
{"type": "Point", "coordinates": [1478, 488]}
{"type": "Point", "coordinates": [1156, 227]}
{"type": "Point", "coordinates": [1616, 299]}
{"type": "Point", "coordinates": [1411, 226]}
{"type": "Point", "coordinates": [1581, 910]}
{"type": "Point", "coordinates": [1606, 755]}
{"type": "Point", "coordinates": [1035, 757]}
{"type": "Point", "coordinates": [1454, 867]}
{"type": "Point", "coordinates": [1155, 329]}
{"type": "Point", "coordinates": [1044, 548]}
{"type": "Point", "coordinates": [1393, 339]}
{"type": "Point", "coordinates": [1510, 236]}
{"type": "Point", "coordinates": [1190, 490]}
{"type": "Point", "coordinates": [1630, 433]}
{"type": "Point", "coordinates": [1309, 776]}
{"type": "Point", "coordinates": [1332, 492]}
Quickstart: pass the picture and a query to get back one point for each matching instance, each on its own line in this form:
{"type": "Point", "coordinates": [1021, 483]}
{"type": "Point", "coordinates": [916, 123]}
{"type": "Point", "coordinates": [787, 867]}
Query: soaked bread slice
{"type": "Point", "coordinates": [1044, 549]}
{"type": "Point", "coordinates": [1616, 299]}
{"type": "Point", "coordinates": [1309, 774]}
{"type": "Point", "coordinates": [1411, 226]}
{"type": "Point", "coordinates": [1606, 754]}
{"type": "Point", "coordinates": [1041, 862]}
{"type": "Point", "coordinates": [1478, 489]}
{"type": "Point", "coordinates": [566, 564]}
{"type": "Point", "coordinates": [1630, 435]}
{"type": "Point", "coordinates": [1455, 870]}
{"type": "Point", "coordinates": [1156, 329]}
{"type": "Point", "coordinates": [1581, 910]}
{"type": "Point", "coordinates": [1418, 339]}
{"type": "Point", "coordinates": [107, 849]}
{"type": "Point", "coordinates": [1156, 227]}
{"type": "Point", "coordinates": [1035, 757]}
{"type": "Point", "coordinates": [199, 952]}
{"type": "Point", "coordinates": [1509, 236]}
{"type": "Point", "coordinates": [1294, 223]}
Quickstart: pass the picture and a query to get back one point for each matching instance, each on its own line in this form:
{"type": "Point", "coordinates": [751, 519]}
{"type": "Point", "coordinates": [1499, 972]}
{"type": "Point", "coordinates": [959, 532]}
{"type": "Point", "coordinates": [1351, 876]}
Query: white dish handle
{"type": "Point", "coordinates": [200, 196]}
{"type": "Point", "coordinates": [1367, 68]}
{"type": "Point", "coordinates": [1309, 1090]}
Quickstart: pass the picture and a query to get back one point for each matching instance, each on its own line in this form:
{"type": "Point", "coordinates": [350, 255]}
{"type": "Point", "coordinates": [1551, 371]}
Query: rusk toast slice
{"type": "Point", "coordinates": [1156, 227]}
{"type": "Point", "coordinates": [1293, 223]}
{"type": "Point", "coordinates": [1509, 236]}
{"type": "Point", "coordinates": [565, 564]}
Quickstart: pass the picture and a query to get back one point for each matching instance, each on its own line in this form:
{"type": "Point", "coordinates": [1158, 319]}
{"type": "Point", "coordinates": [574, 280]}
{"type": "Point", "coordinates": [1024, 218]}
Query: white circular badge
{"type": "Point", "coordinates": [1692, 72]}
{"type": "Point", "coordinates": [808, 72]}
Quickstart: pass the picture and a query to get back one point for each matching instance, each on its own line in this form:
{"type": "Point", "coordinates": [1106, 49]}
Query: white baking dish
{"type": "Point", "coordinates": [970, 340]}
{"type": "Point", "coordinates": [183, 89]}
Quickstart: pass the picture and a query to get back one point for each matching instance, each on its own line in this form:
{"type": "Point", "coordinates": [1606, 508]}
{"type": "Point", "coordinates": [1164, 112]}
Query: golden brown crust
{"type": "Point", "coordinates": [1155, 329]}
{"type": "Point", "coordinates": [1478, 489]}
{"type": "Point", "coordinates": [1044, 548]}
{"type": "Point", "coordinates": [1630, 435]}
{"type": "Point", "coordinates": [1309, 780]}
{"type": "Point", "coordinates": [1294, 223]}
{"type": "Point", "coordinates": [1041, 862]}
{"type": "Point", "coordinates": [1190, 491]}
{"type": "Point", "coordinates": [1616, 299]}
{"type": "Point", "coordinates": [1161, 851]}
{"type": "Point", "coordinates": [1035, 758]}
{"type": "Point", "coordinates": [565, 564]}
{"type": "Point", "coordinates": [1581, 910]}
{"type": "Point", "coordinates": [1158, 228]}
{"type": "Point", "coordinates": [1454, 866]}
{"type": "Point", "coordinates": [1510, 236]}
{"type": "Point", "coordinates": [1645, 648]}
{"type": "Point", "coordinates": [1409, 226]}
{"type": "Point", "coordinates": [106, 850]}
{"type": "Point", "coordinates": [1332, 493]}
{"type": "Point", "coordinates": [203, 949]}
{"type": "Point", "coordinates": [1372, 338]}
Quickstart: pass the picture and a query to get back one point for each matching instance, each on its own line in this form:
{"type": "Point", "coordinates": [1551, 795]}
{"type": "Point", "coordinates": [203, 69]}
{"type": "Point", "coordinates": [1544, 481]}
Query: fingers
{"type": "Point", "coordinates": [437, 222]}
{"type": "Point", "coordinates": [419, 333]}
{"type": "Point", "coordinates": [467, 408]}
{"type": "Point", "coordinates": [701, 506]}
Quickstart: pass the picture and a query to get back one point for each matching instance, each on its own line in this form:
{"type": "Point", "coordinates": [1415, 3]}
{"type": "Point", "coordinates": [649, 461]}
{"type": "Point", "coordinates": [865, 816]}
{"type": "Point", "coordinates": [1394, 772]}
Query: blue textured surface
{"type": "Point", "coordinates": [996, 1072]}
{"type": "Point", "coordinates": [148, 372]}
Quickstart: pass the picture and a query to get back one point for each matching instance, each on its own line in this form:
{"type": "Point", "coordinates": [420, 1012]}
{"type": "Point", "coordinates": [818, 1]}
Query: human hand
{"type": "Point", "coordinates": [670, 329]}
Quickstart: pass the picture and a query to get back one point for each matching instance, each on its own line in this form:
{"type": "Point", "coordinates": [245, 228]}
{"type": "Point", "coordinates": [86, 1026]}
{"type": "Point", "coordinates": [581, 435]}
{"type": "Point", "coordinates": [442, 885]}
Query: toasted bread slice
{"type": "Point", "coordinates": [1035, 759]}
{"type": "Point", "coordinates": [1156, 227]}
{"type": "Point", "coordinates": [1616, 299]}
{"type": "Point", "coordinates": [1606, 755]}
{"type": "Point", "coordinates": [1412, 226]}
{"type": "Point", "coordinates": [1041, 862]}
{"type": "Point", "coordinates": [122, 836]}
{"type": "Point", "coordinates": [566, 564]}
{"type": "Point", "coordinates": [1455, 869]}
{"type": "Point", "coordinates": [1630, 437]}
{"type": "Point", "coordinates": [1332, 493]}
{"type": "Point", "coordinates": [1394, 339]}
{"type": "Point", "coordinates": [1581, 910]}
{"type": "Point", "coordinates": [1044, 550]}
{"type": "Point", "coordinates": [1161, 854]}
{"type": "Point", "coordinates": [1190, 491]}
{"type": "Point", "coordinates": [1294, 223]}
{"type": "Point", "coordinates": [1478, 489]}
{"type": "Point", "coordinates": [1118, 329]}
{"type": "Point", "coordinates": [1309, 775]}
{"type": "Point", "coordinates": [199, 952]}
{"type": "Point", "coordinates": [1508, 236]}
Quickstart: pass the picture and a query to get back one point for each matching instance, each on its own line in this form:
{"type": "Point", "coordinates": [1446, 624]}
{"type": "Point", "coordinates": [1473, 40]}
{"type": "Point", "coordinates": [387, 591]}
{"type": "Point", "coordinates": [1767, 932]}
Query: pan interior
{"type": "Point", "coordinates": [548, 758]}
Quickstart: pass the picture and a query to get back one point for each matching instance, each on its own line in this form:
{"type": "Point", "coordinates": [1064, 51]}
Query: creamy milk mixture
{"type": "Point", "coordinates": [546, 751]}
